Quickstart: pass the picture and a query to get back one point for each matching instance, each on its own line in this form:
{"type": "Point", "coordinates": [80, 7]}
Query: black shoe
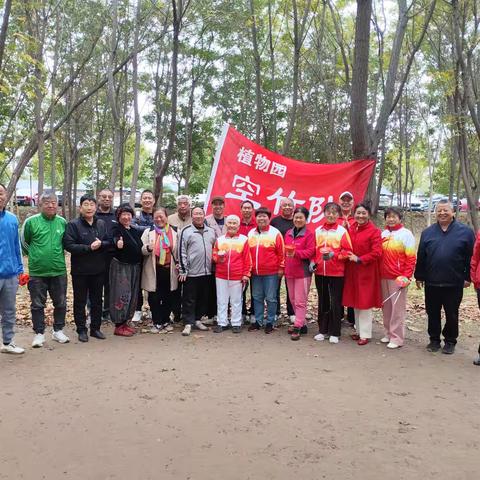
{"type": "Point", "coordinates": [304, 330]}
{"type": "Point", "coordinates": [433, 346]}
{"type": "Point", "coordinates": [253, 326]}
{"type": "Point", "coordinates": [236, 329]}
{"type": "Point", "coordinates": [218, 329]}
{"type": "Point", "coordinates": [477, 361]}
{"type": "Point", "coordinates": [83, 337]}
{"type": "Point", "coordinates": [97, 334]}
{"type": "Point", "coordinates": [448, 348]}
{"type": "Point", "coordinates": [269, 328]}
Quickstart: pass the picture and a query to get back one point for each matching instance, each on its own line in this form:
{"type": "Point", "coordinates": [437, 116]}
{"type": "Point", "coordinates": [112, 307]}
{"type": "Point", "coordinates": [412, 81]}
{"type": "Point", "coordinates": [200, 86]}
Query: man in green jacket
{"type": "Point", "coordinates": [42, 241]}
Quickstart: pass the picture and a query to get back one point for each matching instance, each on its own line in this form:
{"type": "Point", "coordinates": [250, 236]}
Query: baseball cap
{"type": "Point", "coordinates": [346, 193]}
{"type": "Point", "coordinates": [217, 198]}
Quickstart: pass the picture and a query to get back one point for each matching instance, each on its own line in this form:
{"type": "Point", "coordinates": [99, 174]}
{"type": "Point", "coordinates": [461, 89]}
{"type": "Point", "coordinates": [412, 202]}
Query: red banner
{"type": "Point", "coordinates": [243, 170]}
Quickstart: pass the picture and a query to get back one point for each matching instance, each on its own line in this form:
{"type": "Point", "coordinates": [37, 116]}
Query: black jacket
{"type": "Point", "coordinates": [132, 244]}
{"type": "Point", "coordinates": [77, 240]}
{"type": "Point", "coordinates": [443, 258]}
{"type": "Point", "coordinates": [110, 220]}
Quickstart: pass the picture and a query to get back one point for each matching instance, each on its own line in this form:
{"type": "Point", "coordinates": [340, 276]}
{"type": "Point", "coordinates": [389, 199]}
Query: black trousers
{"type": "Point", "coordinates": [161, 301]}
{"type": "Point", "coordinates": [211, 309]}
{"type": "Point", "coordinates": [195, 297]}
{"type": "Point", "coordinates": [57, 288]}
{"type": "Point", "coordinates": [290, 310]}
{"type": "Point", "coordinates": [106, 286]}
{"type": "Point", "coordinates": [177, 302]}
{"type": "Point", "coordinates": [449, 298]}
{"type": "Point", "coordinates": [330, 308]}
{"type": "Point", "coordinates": [87, 286]}
{"type": "Point", "coordinates": [245, 310]}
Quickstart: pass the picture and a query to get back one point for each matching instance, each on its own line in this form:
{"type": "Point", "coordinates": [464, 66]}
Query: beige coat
{"type": "Point", "coordinates": [149, 273]}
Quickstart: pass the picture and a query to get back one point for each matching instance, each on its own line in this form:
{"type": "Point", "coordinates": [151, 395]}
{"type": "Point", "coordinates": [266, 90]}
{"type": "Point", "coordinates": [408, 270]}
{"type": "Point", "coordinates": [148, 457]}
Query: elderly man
{"type": "Point", "coordinates": [216, 219]}
{"type": "Point", "coordinates": [233, 264]}
{"type": "Point", "coordinates": [443, 267]}
{"type": "Point", "coordinates": [42, 241]}
{"type": "Point", "coordinates": [195, 256]}
{"type": "Point", "coordinates": [182, 217]}
{"type": "Point", "coordinates": [283, 223]}
{"type": "Point", "coordinates": [11, 267]}
{"type": "Point", "coordinates": [106, 213]}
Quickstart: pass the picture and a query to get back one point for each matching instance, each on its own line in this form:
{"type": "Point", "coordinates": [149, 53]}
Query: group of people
{"type": "Point", "coordinates": [194, 266]}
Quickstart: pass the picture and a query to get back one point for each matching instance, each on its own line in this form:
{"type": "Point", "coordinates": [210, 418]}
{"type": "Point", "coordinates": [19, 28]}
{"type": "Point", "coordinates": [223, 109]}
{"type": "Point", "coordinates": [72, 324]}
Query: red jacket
{"type": "Point", "coordinates": [398, 244]}
{"type": "Point", "coordinates": [245, 228]}
{"type": "Point", "coordinates": [237, 262]}
{"type": "Point", "coordinates": [336, 238]}
{"type": "Point", "coordinates": [475, 263]}
{"type": "Point", "coordinates": [297, 266]}
{"type": "Point", "coordinates": [362, 280]}
{"type": "Point", "coordinates": [267, 251]}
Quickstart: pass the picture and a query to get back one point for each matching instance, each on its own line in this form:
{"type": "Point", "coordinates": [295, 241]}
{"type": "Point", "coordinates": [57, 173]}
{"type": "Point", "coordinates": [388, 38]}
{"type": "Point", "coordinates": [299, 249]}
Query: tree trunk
{"type": "Point", "coordinates": [3, 30]}
{"type": "Point", "coordinates": [258, 75]}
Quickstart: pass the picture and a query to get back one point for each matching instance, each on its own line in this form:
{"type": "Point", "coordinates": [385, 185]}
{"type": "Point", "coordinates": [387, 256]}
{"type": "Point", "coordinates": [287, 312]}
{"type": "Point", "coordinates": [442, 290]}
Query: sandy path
{"type": "Point", "coordinates": [237, 407]}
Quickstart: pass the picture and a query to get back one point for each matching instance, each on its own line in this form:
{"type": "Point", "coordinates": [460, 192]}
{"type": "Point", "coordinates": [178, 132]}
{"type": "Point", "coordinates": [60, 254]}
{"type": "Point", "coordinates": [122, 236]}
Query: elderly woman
{"type": "Point", "coordinates": [397, 267]}
{"type": "Point", "coordinates": [233, 265]}
{"type": "Point", "coordinates": [159, 276]}
{"type": "Point", "coordinates": [362, 272]}
{"type": "Point", "coordinates": [299, 249]}
{"type": "Point", "coordinates": [125, 271]}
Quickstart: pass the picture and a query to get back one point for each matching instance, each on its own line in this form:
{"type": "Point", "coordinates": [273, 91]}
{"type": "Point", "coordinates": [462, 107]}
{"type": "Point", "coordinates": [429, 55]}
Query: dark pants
{"type": "Point", "coordinates": [449, 298]}
{"type": "Point", "coordinates": [177, 302]}
{"type": "Point", "coordinates": [195, 297]}
{"type": "Point", "coordinates": [290, 310]}
{"type": "Point", "coordinates": [106, 287]}
{"type": "Point", "coordinates": [330, 308]}
{"type": "Point", "coordinates": [57, 288]}
{"type": "Point", "coordinates": [87, 286]}
{"type": "Point", "coordinates": [161, 300]}
{"type": "Point", "coordinates": [245, 310]}
{"type": "Point", "coordinates": [211, 309]}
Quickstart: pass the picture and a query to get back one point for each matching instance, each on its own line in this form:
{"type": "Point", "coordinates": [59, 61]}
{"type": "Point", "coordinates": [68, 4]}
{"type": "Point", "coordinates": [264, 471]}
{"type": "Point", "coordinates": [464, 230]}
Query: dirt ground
{"type": "Point", "coordinates": [248, 406]}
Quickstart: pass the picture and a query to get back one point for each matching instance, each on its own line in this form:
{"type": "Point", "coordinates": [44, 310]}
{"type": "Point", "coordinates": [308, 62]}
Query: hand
{"type": "Point", "coordinates": [352, 257]}
{"type": "Point", "coordinates": [96, 244]}
{"type": "Point", "coordinates": [280, 272]}
{"type": "Point", "coordinates": [182, 277]}
{"type": "Point", "coordinates": [419, 284]}
{"type": "Point", "coordinates": [120, 243]}
{"type": "Point", "coordinates": [244, 280]}
{"type": "Point", "coordinates": [466, 284]}
{"type": "Point", "coordinates": [23, 279]}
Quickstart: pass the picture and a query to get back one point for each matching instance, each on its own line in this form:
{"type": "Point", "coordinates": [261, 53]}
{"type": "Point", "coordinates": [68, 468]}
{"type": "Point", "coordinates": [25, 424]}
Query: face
{"type": "Point", "coordinates": [125, 218]}
{"type": "Point", "coordinates": [3, 198]}
{"type": "Point", "coordinates": [361, 215]}
{"type": "Point", "coordinates": [299, 220]}
{"type": "Point", "coordinates": [183, 207]}
{"type": "Point", "coordinates": [346, 202]}
{"type": "Point", "coordinates": [286, 208]}
{"type": "Point", "coordinates": [198, 217]}
{"type": "Point", "coordinates": [246, 210]}
{"type": "Point", "coordinates": [217, 209]}
{"type": "Point", "coordinates": [331, 215]}
{"type": "Point", "coordinates": [147, 201]}
{"type": "Point", "coordinates": [232, 227]}
{"type": "Point", "coordinates": [263, 220]}
{"type": "Point", "coordinates": [105, 199]}
{"type": "Point", "coordinates": [391, 220]}
{"type": "Point", "coordinates": [88, 209]}
{"type": "Point", "coordinates": [444, 212]}
{"type": "Point", "coordinates": [159, 218]}
{"type": "Point", "coordinates": [48, 207]}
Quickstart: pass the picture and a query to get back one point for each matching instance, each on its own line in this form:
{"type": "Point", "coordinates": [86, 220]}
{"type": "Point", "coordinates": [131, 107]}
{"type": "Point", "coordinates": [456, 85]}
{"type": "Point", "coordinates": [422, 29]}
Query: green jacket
{"type": "Point", "coordinates": [42, 241]}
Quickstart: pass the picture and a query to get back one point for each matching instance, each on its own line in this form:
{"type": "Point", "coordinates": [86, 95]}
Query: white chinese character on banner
{"type": "Point", "coordinates": [278, 197]}
{"type": "Point", "coordinates": [245, 189]}
{"type": "Point", "coordinates": [316, 208]}
{"type": "Point", "coordinates": [245, 156]}
{"type": "Point", "coordinates": [262, 163]}
{"type": "Point", "coordinates": [278, 169]}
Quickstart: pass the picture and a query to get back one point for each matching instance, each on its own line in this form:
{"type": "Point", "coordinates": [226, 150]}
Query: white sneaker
{"type": "Point", "coordinates": [38, 340]}
{"type": "Point", "coordinates": [168, 328]}
{"type": "Point", "coordinates": [333, 339]}
{"type": "Point", "coordinates": [11, 348]}
{"type": "Point", "coordinates": [187, 330]}
{"type": "Point", "coordinates": [137, 317]}
{"type": "Point", "coordinates": [156, 329]}
{"type": "Point", "coordinates": [319, 337]}
{"type": "Point", "coordinates": [385, 340]}
{"type": "Point", "coordinates": [60, 337]}
{"type": "Point", "coordinates": [392, 345]}
{"type": "Point", "coordinates": [292, 319]}
{"type": "Point", "coordinates": [209, 320]}
{"type": "Point", "coordinates": [200, 326]}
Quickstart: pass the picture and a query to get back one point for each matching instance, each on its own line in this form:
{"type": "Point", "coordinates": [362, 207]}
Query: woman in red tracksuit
{"type": "Point", "coordinates": [332, 247]}
{"type": "Point", "coordinates": [362, 289]}
{"type": "Point", "coordinates": [475, 276]}
{"type": "Point", "coordinates": [299, 249]}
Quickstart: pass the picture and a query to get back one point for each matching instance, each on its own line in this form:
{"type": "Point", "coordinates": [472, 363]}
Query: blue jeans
{"type": "Point", "coordinates": [8, 292]}
{"type": "Point", "coordinates": [265, 289]}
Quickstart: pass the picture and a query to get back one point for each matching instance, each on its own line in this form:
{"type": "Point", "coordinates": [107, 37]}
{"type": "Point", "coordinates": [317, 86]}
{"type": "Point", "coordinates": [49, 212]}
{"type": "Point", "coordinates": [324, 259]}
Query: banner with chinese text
{"type": "Point", "coordinates": [243, 170]}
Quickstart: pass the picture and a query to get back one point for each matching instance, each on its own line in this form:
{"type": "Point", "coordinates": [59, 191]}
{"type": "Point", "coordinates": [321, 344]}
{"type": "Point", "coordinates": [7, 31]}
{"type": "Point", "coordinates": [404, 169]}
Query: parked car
{"type": "Point", "coordinates": [24, 198]}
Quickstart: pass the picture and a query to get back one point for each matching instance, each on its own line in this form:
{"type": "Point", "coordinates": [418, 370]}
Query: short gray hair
{"type": "Point", "coordinates": [236, 218]}
{"type": "Point", "coordinates": [287, 200]}
{"type": "Point", "coordinates": [47, 196]}
{"type": "Point", "coordinates": [184, 197]}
